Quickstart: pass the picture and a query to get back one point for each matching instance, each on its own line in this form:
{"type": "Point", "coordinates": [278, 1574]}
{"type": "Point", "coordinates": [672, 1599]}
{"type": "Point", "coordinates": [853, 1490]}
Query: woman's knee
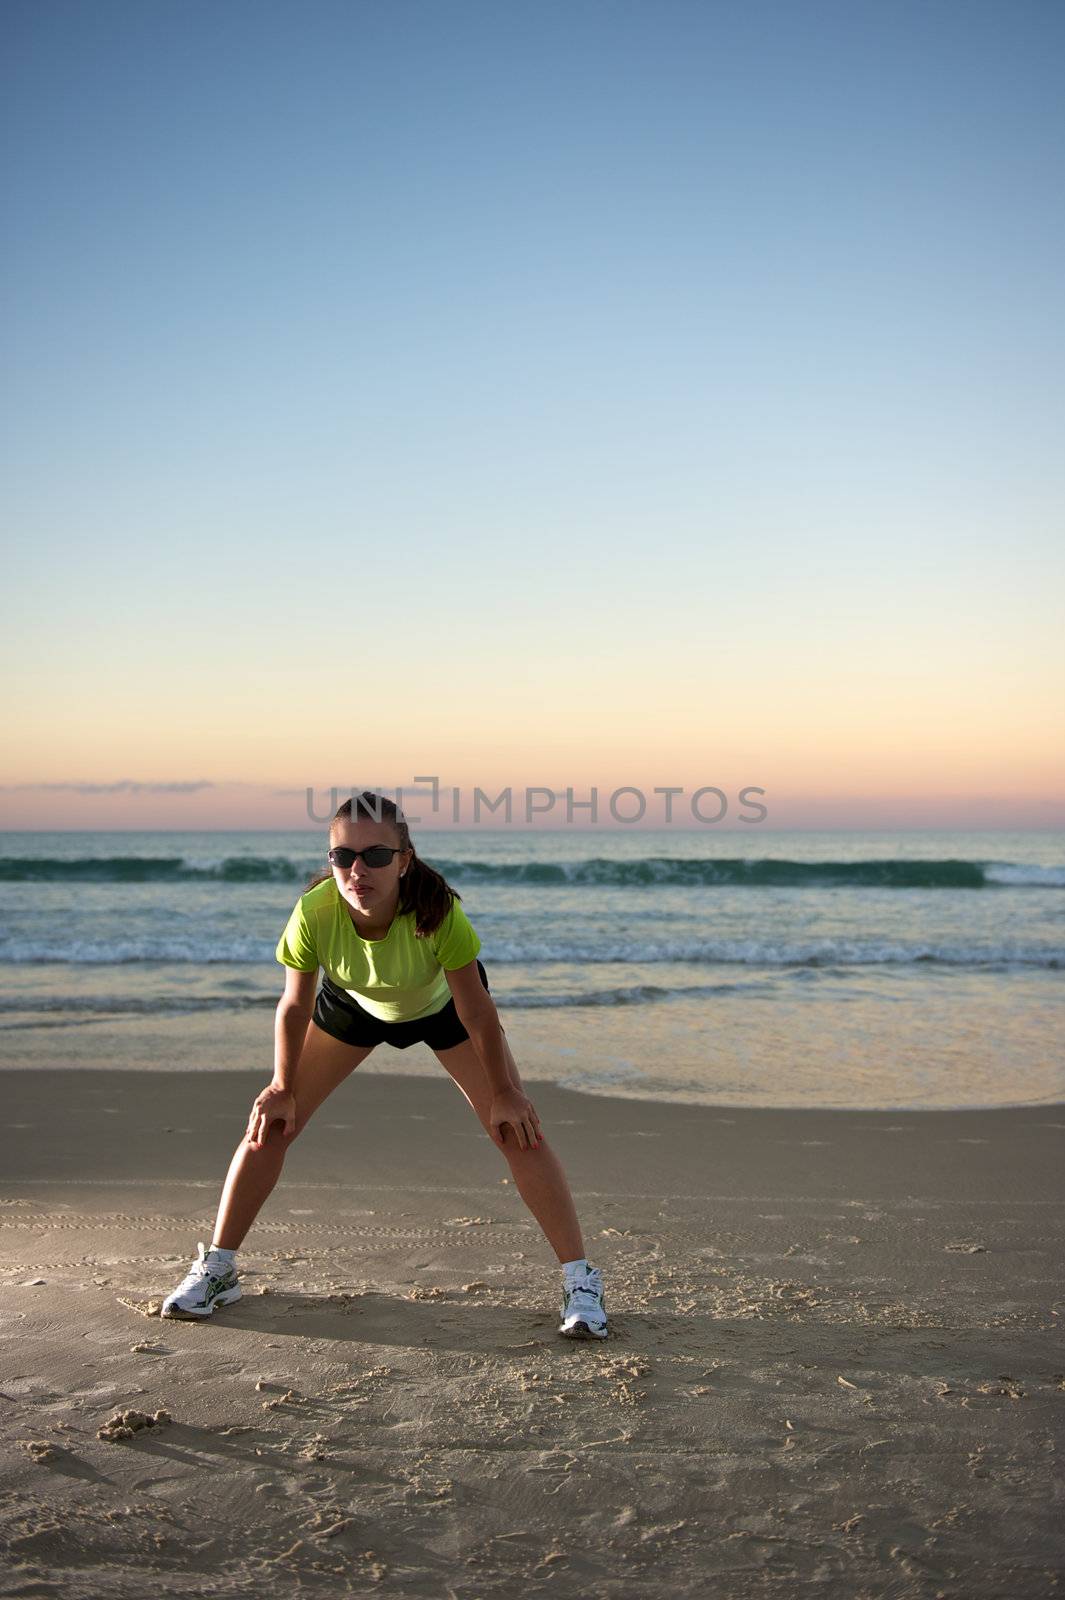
{"type": "Point", "coordinates": [273, 1140]}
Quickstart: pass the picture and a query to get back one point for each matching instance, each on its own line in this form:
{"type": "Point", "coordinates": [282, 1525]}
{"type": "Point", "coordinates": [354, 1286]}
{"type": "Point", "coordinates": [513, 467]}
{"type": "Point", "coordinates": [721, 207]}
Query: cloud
{"type": "Point", "coordinates": [410, 790]}
{"type": "Point", "coordinates": [122, 786]}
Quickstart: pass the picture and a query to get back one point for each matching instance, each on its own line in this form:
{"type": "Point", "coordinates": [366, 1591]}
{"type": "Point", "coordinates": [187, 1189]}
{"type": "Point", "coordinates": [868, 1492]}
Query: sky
{"type": "Point", "coordinates": [561, 394]}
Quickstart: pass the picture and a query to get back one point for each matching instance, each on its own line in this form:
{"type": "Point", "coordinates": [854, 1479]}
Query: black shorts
{"type": "Point", "coordinates": [337, 1013]}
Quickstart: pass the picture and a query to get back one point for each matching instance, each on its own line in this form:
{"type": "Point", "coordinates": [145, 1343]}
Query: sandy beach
{"type": "Point", "coordinates": [836, 1353]}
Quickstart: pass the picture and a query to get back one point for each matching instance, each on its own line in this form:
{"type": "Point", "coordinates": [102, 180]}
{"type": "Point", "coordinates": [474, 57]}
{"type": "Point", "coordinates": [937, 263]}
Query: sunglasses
{"type": "Point", "coordinates": [378, 855]}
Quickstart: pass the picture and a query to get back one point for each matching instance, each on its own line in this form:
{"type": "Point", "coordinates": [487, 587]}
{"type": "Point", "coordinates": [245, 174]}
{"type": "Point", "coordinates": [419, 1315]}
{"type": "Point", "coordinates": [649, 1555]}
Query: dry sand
{"type": "Point", "coordinates": [836, 1356]}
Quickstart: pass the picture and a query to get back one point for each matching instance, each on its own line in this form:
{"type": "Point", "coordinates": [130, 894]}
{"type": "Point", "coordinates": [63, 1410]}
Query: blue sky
{"type": "Point", "coordinates": [568, 350]}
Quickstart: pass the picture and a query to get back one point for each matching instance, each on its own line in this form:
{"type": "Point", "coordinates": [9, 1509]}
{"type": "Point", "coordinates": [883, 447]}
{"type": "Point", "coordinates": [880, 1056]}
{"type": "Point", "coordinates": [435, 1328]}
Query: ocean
{"type": "Point", "coordinates": [880, 970]}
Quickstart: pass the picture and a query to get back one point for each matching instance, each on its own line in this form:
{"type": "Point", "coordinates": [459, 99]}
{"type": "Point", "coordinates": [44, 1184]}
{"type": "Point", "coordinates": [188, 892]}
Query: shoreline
{"type": "Point", "coordinates": [169, 1107]}
{"type": "Point", "coordinates": [202, 1043]}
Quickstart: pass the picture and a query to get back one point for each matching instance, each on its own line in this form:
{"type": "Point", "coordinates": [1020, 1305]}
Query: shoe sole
{"type": "Point", "coordinates": [581, 1330]}
{"type": "Point", "coordinates": [179, 1314]}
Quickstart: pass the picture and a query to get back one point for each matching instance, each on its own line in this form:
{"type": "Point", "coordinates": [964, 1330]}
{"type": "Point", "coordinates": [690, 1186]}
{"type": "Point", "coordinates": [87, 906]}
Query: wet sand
{"type": "Point", "coordinates": [835, 1356]}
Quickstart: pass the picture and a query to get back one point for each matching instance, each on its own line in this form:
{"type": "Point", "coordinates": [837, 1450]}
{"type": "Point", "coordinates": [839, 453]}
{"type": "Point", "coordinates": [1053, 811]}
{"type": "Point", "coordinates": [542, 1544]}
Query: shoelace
{"type": "Point", "coordinates": [196, 1272]}
{"type": "Point", "coordinates": [583, 1295]}
{"type": "Point", "coordinates": [590, 1278]}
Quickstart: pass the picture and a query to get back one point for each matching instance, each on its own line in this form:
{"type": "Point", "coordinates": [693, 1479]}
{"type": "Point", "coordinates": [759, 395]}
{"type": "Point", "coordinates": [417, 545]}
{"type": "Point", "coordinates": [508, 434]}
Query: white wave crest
{"type": "Point", "coordinates": [1024, 877]}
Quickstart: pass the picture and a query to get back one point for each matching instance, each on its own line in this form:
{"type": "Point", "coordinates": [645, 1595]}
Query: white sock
{"type": "Point", "coordinates": [573, 1268]}
{"type": "Point", "coordinates": [226, 1257]}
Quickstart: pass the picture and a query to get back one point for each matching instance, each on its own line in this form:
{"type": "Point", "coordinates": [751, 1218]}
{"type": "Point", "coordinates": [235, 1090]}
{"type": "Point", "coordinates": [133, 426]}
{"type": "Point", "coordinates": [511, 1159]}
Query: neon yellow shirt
{"type": "Point", "coordinates": [398, 978]}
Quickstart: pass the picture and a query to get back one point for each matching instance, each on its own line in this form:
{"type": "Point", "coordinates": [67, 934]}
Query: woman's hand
{"type": "Point", "coordinates": [516, 1110]}
{"type": "Point", "coordinates": [274, 1104]}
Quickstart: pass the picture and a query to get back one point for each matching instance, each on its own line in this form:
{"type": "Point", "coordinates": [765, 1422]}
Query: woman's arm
{"type": "Point", "coordinates": [276, 1103]}
{"type": "Point", "coordinates": [477, 1012]}
{"type": "Point", "coordinates": [478, 1015]}
{"type": "Point", "coordinates": [294, 1011]}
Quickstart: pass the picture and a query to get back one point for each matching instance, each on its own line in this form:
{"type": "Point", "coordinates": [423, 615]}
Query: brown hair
{"type": "Point", "coordinates": [422, 889]}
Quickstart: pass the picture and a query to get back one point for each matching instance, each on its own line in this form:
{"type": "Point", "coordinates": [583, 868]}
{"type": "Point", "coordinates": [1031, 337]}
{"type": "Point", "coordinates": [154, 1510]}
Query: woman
{"type": "Point", "coordinates": [400, 964]}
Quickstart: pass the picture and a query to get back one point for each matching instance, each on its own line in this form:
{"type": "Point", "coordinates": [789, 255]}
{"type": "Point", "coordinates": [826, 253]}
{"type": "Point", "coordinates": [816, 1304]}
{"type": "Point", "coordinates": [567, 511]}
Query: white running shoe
{"type": "Point", "coordinates": [202, 1289]}
{"type": "Point", "coordinates": [583, 1307]}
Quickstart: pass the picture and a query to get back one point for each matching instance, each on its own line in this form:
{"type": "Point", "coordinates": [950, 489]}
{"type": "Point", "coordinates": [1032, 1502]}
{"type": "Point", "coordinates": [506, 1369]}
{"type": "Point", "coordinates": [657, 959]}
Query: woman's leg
{"type": "Point", "coordinates": [538, 1174]}
{"type": "Point", "coordinates": [324, 1062]}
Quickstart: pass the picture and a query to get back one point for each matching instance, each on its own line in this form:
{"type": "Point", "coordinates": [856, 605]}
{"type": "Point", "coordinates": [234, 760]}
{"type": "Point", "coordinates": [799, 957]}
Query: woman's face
{"type": "Point", "coordinates": [368, 888]}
